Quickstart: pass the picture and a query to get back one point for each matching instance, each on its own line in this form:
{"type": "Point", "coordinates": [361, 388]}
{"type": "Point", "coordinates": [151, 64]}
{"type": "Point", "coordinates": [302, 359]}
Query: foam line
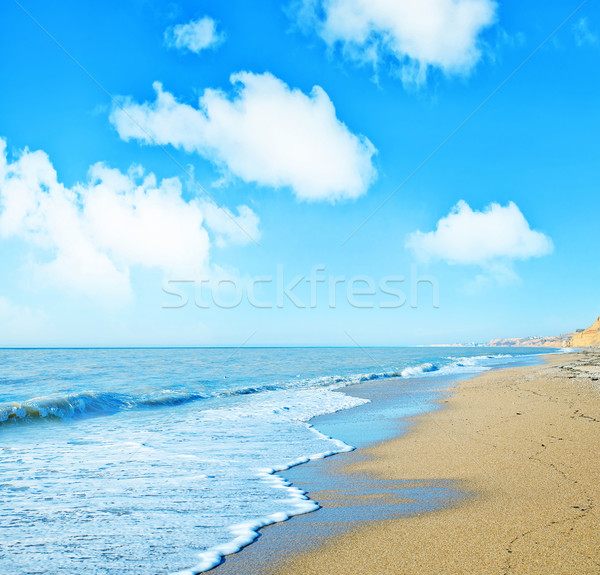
{"type": "Point", "coordinates": [247, 532]}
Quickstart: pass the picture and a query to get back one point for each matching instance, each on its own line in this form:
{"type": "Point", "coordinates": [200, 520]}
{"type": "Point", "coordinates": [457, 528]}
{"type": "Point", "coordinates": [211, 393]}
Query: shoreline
{"type": "Point", "coordinates": [523, 443]}
{"type": "Point", "coordinates": [350, 500]}
{"type": "Point", "coordinates": [492, 447]}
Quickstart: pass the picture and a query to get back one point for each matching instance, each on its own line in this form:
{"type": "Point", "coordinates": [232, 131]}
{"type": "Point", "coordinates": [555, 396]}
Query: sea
{"type": "Point", "coordinates": [152, 461]}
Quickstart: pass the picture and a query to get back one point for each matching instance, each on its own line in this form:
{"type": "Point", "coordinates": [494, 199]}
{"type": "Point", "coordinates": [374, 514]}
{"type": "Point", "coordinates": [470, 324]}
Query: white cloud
{"type": "Point", "coordinates": [491, 239]}
{"type": "Point", "coordinates": [266, 133]}
{"type": "Point", "coordinates": [417, 34]}
{"type": "Point", "coordinates": [584, 36]}
{"type": "Point", "coordinates": [92, 234]}
{"type": "Point", "coordinates": [195, 36]}
{"type": "Point", "coordinates": [229, 228]}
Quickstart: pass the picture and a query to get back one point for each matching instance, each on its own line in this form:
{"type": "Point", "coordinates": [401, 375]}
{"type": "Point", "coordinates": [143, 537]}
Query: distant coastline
{"type": "Point", "coordinates": [589, 337]}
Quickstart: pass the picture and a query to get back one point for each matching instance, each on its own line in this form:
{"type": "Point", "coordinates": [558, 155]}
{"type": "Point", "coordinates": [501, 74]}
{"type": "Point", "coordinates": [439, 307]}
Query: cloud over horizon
{"type": "Point", "coordinates": [88, 238]}
{"type": "Point", "coordinates": [491, 239]}
{"type": "Point", "coordinates": [264, 133]}
{"type": "Point", "coordinates": [416, 34]}
{"type": "Point", "coordinates": [195, 35]}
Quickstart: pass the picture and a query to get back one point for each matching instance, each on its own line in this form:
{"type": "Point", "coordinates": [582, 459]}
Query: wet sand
{"type": "Point", "coordinates": [524, 443]}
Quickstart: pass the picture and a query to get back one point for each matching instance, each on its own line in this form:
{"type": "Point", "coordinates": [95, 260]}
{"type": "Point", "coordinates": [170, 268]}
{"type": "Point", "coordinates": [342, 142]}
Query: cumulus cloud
{"type": "Point", "coordinates": [492, 239]}
{"type": "Point", "coordinates": [265, 132]}
{"type": "Point", "coordinates": [92, 234]}
{"type": "Point", "coordinates": [195, 36]}
{"type": "Point", "coordinates": [416, 34]}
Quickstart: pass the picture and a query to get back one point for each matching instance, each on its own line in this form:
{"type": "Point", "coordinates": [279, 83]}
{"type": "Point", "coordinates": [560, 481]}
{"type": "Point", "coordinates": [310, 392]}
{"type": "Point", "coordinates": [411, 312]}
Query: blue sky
{"type": "Point", "coordinates": [279, 141]}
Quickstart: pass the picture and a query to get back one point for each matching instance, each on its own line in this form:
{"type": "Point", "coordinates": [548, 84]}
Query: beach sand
{"type": "Point", "coordinates": [524, 444]}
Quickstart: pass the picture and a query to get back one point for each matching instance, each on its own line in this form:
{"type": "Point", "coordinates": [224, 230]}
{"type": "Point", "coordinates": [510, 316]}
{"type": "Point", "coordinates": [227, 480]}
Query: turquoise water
{"type": "Point", "coordinates": [161, 460]}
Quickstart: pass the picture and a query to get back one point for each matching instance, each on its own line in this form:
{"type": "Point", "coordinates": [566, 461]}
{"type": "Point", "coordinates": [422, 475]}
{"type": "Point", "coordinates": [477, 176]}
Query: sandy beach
{"type": "Point", "coordinates": [524, 443]}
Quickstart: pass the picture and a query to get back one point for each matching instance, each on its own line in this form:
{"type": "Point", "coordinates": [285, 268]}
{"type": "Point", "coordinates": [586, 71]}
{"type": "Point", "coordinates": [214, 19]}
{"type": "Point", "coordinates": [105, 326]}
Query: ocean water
{"type": "Point", "coordinates": [153, 461]}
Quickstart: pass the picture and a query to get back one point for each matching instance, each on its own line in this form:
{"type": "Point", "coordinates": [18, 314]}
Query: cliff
{"type": "Point", "coordinates": [587, 338]}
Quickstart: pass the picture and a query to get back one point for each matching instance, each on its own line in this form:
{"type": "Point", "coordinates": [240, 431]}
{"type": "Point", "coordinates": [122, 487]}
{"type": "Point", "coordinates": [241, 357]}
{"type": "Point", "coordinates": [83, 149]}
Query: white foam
{"type": "Point", "coordinates": [419, 370]}
{"type": "Point", "coordinates": [247, 532]}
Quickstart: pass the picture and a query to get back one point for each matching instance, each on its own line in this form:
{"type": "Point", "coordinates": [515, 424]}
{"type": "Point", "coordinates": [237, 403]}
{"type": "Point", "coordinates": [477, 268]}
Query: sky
{"type": "Point", "coordinates": [306, 172]}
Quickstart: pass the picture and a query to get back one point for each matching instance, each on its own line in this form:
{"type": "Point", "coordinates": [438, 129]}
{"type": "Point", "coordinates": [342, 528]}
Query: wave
{"type": "Point", "coordinates": [249, 390]}
{"type": "Point", "coordinates": [89, 403]}
{"type": "Point", "coordinates": [419, 370]}
{"type": "Point", "coordinates": [243, 534]}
